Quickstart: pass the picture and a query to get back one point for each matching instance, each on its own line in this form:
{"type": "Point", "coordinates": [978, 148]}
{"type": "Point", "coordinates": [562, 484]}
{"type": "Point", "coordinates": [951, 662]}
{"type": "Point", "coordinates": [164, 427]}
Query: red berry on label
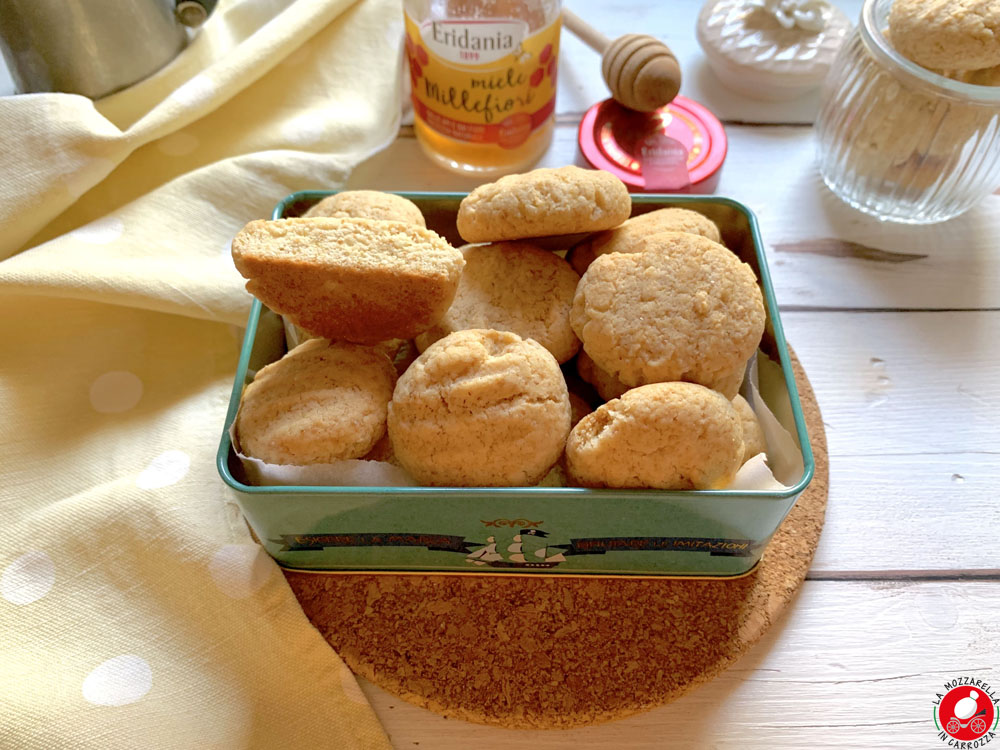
{"type": "Point", "coordinates": [536, 77]}
{"type": "Point", "coordinates": [552, 68]}
{"type": "Point", "coordinates": [422, 55]}
{"type": "Point", "coordinates": [546, 53]}
{"type": "Point", "coordinates": [415, 69]}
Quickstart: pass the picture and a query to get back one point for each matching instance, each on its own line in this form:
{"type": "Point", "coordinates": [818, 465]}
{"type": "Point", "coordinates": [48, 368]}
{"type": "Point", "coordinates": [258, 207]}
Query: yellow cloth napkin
{"type": "Point", "coordinates": [135, 610]}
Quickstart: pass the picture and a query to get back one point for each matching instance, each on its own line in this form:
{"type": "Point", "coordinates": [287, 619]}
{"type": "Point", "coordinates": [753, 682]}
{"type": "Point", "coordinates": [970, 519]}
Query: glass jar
{"type": "Point", "coordinates": [901, 142]}
{"type": "Point", "coordinates": [483, 75]}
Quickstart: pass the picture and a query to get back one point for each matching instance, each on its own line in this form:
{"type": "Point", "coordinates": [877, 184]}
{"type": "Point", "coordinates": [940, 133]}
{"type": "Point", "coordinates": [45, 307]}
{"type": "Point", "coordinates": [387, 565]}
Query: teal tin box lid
{"type": "Point", "coordinates": [525, 530]}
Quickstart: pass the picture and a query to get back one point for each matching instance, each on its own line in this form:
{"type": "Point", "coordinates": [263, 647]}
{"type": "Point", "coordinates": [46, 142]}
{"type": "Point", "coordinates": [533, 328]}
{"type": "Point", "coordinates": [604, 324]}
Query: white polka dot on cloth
{"type": "Point", "coordinates": [28, 578]}
{"type": "Point", "coordinates": [351, 689]}
{"type": "Point", "coordinates": [100, 232]}
{"type": "Point", "coordinates": [239, 570]}
{"type": "Point", "coordinates": [304, 130]}
{"type": "Point", "coordinates": [194, 92]}
{"type": "Point", "coordinates": [118, 681]}
{"type": "Point", "coordinates": [178, 144]}
{"type": "Point", "coordinates": [167, 468]}
{"type": "Point", "coordinates": [115, 392]}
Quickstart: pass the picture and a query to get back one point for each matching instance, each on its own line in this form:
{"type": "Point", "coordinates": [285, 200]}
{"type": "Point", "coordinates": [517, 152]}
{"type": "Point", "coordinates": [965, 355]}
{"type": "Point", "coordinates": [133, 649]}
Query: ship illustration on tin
{"type": "Point", "coordinates": [514, 554]}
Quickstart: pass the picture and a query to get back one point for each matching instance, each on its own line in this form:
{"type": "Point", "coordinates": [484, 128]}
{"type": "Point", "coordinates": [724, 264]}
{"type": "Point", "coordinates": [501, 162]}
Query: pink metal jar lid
{"type": "Point", "coordinates": [678, 148]}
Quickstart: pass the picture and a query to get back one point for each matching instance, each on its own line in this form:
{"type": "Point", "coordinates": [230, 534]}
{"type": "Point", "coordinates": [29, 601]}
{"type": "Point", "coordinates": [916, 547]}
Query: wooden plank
{"type": "Point", "coordinates": [908, 516]}
{"type": "Point", "coordinates": [853, 665]}
{"type": "Point", "coordinates": [915, 384]}
{"type": "Point", "coordinates": [821, 252]}
{"type": "Point", "coordinates": [911, 404]}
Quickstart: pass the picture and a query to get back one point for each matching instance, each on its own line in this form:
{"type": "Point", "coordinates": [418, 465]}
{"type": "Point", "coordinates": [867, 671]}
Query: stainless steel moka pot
{"type": "Point", "coordinates": [93, 47]}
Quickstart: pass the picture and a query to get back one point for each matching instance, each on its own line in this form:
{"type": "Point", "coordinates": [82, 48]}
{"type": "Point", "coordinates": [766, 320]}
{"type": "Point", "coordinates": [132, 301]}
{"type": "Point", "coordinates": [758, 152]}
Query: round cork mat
{"type": "Point", "coordinates": [562, 652]}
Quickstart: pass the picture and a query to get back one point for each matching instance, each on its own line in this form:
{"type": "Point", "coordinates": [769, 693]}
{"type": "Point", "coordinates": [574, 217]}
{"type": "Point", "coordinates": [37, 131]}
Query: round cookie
{"type": "Point", "coordinates": [480, 408]}
{"type": "Point", "coordinates": [517, 287]}
{"type": "Point", "coordinates": [754, 441]}
{"type": "Point", "coordinates": [906, 135]}
{"type": "Point", "coordinates": [947, 34]}
{"type": "Point", "coordinates": [542, 203]}
{"type": "Point", "coordinates": [368, 204]}
{"type": "Point", "coordinates": [984, 77]}
{"type": "Point", "coordinates": [322, 402]}
{"type": "Point", "coordinates": [628, 237]}
{"type": "Point", "coordinates": [401, 352]}
{"type": "Point", "coordinates": [685, 308]}
{"type": "Point", "coordinates": [359, 280]}
{"type": "Point", "coordinates": [669, 436]}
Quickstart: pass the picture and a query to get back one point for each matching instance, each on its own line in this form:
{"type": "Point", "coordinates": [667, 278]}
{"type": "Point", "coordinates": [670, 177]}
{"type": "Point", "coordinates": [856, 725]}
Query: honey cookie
{"type": "Point", "coordinates": [517, 287]}
{"type": "Point", "coordinates": [947, 34]}
{"type": "Point", "coordinates": [322, 402]}
{"type": "Point", "coordinates": [887, 145]}
{"type": "Point", "coordinates": [542, 203]}
{"type": "Point", "coordinates": [401, 352]}
{"type": "Point", "coordinates": [754, 441]}
{"type": "Point", "coordinates": [628, 237]}
{"type": "Point", "coordinates": [359, 280]}
{"type": "Point", "coordinates": [368, 204]}
{"type": "Point", "coordinates": [984, 77]}
{"type": "Point", "coordinates": [669, 436]}
{"type": "Point", "coordinates": [480, 408]}
{"type": "Point", "coordinates": [685, 308]}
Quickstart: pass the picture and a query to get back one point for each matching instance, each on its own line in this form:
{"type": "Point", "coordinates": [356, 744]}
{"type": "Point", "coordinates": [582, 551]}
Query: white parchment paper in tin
{"type": "Point", "coordinates": [783, 464]}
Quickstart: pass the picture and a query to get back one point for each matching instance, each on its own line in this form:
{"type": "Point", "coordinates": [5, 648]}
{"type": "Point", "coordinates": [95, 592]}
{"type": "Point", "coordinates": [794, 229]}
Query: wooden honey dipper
{"type": "Point", "coordinates": [640, 70]}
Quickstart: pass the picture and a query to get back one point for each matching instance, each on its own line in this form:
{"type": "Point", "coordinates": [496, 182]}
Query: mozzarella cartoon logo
{"type": "Point", "coordinates": [966, 715]}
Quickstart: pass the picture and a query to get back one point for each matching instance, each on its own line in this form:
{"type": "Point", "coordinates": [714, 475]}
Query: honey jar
{"type": "Point", "coordinates": [483, 81]}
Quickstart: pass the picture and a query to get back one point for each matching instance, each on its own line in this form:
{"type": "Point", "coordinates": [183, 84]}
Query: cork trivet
{"type": "Point", "coordinates": [562, 652]}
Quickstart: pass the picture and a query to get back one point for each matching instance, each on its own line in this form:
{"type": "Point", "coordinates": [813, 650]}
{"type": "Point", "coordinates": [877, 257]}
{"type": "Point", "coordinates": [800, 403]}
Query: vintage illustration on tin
{"type": "Point", "coordinates": [513, 554]}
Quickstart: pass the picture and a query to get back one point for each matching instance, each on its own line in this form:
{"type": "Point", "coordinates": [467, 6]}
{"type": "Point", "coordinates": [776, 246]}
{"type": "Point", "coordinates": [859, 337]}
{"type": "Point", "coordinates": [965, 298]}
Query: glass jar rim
{"type": "Point", "coordinates": [875, 40]}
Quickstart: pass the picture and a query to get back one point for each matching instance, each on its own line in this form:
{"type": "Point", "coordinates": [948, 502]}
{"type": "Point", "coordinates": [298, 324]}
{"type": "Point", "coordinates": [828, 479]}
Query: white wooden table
{"type": "Point", "coordinates": [899, 336]}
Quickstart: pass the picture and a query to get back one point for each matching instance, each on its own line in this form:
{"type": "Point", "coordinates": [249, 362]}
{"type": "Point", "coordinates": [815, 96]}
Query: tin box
{"type": "Point", "coordinates": [522, 530]}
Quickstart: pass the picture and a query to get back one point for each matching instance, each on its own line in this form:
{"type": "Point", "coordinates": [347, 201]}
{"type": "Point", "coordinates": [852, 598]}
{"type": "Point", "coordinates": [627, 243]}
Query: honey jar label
{"type": "Point", "coordinates": [482, 81]}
